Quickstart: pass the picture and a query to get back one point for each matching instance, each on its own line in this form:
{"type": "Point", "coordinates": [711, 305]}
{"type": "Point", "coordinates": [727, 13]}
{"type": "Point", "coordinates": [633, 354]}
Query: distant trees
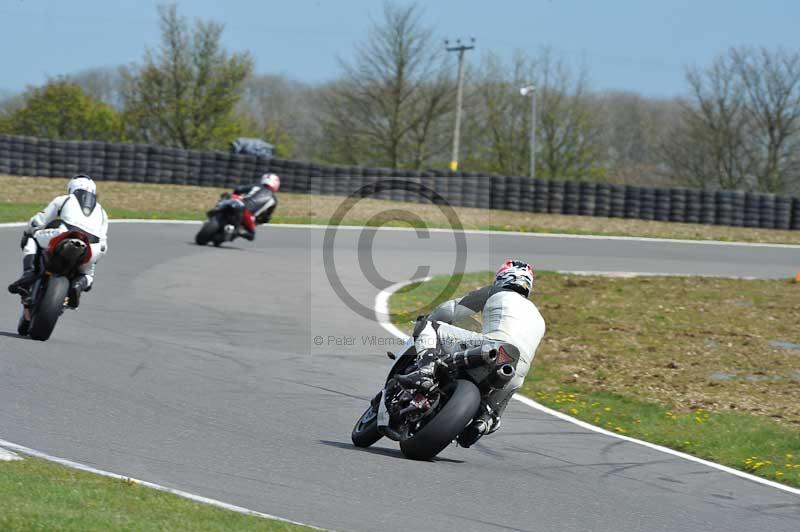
{"type": "Point", "coordinates": [740, 127]}
{"type": "Point", "coordinates": [61, 110]}
{"type": "Point", "coordinates": [185, 93]}
{"type": "Point", "coordinates": [392, 100]}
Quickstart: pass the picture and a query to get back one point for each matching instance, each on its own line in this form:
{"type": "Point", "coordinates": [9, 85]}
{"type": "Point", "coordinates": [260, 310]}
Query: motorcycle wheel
{"type": "Point", "coordinates": [365, 433]}
{"type": "Point", "coordinates": [207, 232]}
{"type": "Point", "coordinates": [49, 308]}
{"type": "Point", "coordinates": [446, 425]}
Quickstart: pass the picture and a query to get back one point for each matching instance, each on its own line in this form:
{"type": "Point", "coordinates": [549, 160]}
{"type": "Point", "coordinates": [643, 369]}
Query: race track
{"type": "Point", "coordinates": [197, 368]}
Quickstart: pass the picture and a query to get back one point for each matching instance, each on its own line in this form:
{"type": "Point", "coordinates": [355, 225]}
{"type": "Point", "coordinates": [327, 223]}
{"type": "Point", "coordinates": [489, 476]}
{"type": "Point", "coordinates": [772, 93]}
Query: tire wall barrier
{"type": "Point", "coordinates": [145, 163]}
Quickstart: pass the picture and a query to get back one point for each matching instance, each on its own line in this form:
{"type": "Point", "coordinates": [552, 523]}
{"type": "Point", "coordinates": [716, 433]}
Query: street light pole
{"type": "Point", "coordinates": [531, 89]}
{"type": "Point", "coordinates": [460, 48]}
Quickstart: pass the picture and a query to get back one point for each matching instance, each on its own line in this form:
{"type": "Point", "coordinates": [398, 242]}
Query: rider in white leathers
{"type": "Point", "coordinates": [508, 316]}
{"type": "Point", "coordinates": [77, 210]}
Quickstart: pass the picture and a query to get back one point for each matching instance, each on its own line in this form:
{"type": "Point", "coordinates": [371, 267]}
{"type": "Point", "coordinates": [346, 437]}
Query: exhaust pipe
{"type": "Point", "coordinates": [502, 376]}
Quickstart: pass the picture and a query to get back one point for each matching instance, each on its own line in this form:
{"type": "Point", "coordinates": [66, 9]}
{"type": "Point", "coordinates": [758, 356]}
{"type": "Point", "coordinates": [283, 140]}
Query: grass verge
{"type": "Point", "coordinates": [706, 366]}
{"type": "Point", "coordinates": [139, 200]}
{"type": "Point", "coordinates": [38, 495]}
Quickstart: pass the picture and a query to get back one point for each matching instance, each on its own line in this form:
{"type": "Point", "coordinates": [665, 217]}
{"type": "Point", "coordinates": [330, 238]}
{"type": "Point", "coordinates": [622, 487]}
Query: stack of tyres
{"type": "Point", "coordinates": [541, 194]}
{"type": "Point", "coordinates": [442, 186]}
{"type": "Point", "coordinates": [737, 208]}
{"type": "Point", "coordinates": [602, 201]}
{"type": "Point", "coordinates": [382, 185]}
{"type": "Point", "coordinates": [766, 211]}
{"type": "Point", "coordinates": [111, 162]}
{"type": "Point", "coordinates": [617, 198]}
{"type": "Point", "coordinates": [84, 157]}
{"type": "Point", "coordinates": [58, 158]}
{"type": "Point", "coordinates": [587, 198]}
{"type": "Point", "coordinates": [5, 154]}
{"type": "Point", "coordinates": [693, 206]}
{"type": "Point", "coordinates": [527, 193]}
{"type": "Point", "coordinates": [315, 176]}
{"type": "Point", "coordinates": [783, 212]}
{"type": "Point", "coordinates": [724, 201]}
{"type": "Point", "coordinates": [571, 197]}
{"type": "Point", "coordinates": [126, 162]}
{"type": "Point", "coordinates": [427, 192]}
{"type": "Point", "coordinates": [333, 174]}
{"type": "Point", "coordinates": [194, 163]}
{"type": "Point", "coordinates": [180, 167]}
{"type": "Point", "coordinates": [751, 217]}
{"type": "Point", "coordinates": [207, 172]}
{"type": "Point", "coordinates": [355, 181]}
{"type": "Point", "coordinates": [647, 203]}
{"type": "Point", "coordinates": [663, 204]}
{"type": "Point", "coordinates": [513, 193]}
{"type": "Point", "coordinates": [633, 205]}
{"type": "Point", "coordinates": [140, 163]}
{"type": "Point", "coordinates": [97, 150]}
{"type": "Point", "coordinates": [473, 194]}
{"type": "Point", "coordinates": [795, 213]}
{"type": "Point", "coordinates": [153, 173]}
{"type": "Point", "coordinates": [677, 205]}
{"type": "Point", "coordinates": [555, 203]}
{"type": "Point", "coordinates": [399, 187]}
{"type": "Point", "coordinates": [42, 163]}
{"type": "Point", "coordinates": [708, 207]}
{"type": "Point", "coordinates": [29, 155]}
{"type": "Point", "coordinates": [72, 157]}
{"type": "Point", "coordinates": [498, 194]}
{"type": "Point", "coordinates": [413, 184]}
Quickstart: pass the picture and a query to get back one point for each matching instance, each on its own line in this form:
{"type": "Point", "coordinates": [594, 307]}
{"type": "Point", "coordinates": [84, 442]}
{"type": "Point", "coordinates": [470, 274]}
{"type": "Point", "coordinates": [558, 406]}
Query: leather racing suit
{"type": "Point", "coordinates": [507, 316]}
{"type": "Point", "coordinates": [259, 203]}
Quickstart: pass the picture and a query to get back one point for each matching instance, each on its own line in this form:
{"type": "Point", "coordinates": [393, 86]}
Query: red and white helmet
{"type": "Point", "coordinates": [271, 181]}
{"type": "Point", "coordinates": [515, 275]}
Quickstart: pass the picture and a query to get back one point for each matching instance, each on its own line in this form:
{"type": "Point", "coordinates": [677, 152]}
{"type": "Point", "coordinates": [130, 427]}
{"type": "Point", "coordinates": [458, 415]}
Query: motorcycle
{"type": "Point", "coordinates": [223, 221]}
{"type": "Point", "coordinates": [425, 421]}
{"type": "Point", "coordinates": [49, 296]}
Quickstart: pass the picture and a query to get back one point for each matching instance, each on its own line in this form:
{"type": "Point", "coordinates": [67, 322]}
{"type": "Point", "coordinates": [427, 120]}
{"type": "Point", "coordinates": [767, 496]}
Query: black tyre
{"type": "Point", "coordinates": [365, 433]}
{"type": "Point", "coordinates": [49, 308]}
{"type": "Point", "coordinates": [207, 232]}
{"type": "Point", "coordinates": [448, 423]}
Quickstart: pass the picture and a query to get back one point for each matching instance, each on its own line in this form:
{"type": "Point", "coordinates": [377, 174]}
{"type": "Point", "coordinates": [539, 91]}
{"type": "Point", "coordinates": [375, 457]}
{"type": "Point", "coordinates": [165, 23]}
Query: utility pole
{"type": "Point", "coordinates": [460, 48]}
{"type": "Point", "coordinates": [531, 89]}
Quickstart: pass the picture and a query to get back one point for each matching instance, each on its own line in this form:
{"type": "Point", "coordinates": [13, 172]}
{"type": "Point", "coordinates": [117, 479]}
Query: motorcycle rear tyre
{"type": "Point", "coordinates": [49, 308]}
{"type": "Point", "coordinates": [448, 423]}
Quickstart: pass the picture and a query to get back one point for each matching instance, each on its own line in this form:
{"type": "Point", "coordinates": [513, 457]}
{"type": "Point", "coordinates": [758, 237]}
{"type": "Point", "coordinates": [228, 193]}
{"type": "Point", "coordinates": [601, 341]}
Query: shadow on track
{"type": "Point", "coordinates": [13, 335]}
{"type": "Point", "coordinates": [382, 451]}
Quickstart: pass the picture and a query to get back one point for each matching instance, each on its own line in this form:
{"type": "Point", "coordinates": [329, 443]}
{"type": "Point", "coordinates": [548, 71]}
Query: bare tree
{"type": "Point", "coordinates": [740, 127]}
{"type": "Point", "coordinates": [386, 107]}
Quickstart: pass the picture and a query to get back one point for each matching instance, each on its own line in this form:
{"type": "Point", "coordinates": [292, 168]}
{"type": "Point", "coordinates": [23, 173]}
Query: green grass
{"type": "Point", "coordinates": [638, 356]}
{"type": "Point", "coordinates": [39, 495]}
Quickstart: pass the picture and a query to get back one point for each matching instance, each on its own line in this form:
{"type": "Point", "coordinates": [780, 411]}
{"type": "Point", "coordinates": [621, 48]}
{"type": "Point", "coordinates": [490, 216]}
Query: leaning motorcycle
{"type": "Point", "coordinates": [223, 221]}
{"type": "Point", "coordinates": [59, 265]}
{"type": "Point", "coordinates": [426, 421]}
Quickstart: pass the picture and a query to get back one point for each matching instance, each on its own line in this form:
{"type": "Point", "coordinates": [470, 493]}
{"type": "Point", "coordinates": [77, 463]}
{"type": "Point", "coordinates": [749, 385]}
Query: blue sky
{"type": "Point", "coordinates": [625, 44]}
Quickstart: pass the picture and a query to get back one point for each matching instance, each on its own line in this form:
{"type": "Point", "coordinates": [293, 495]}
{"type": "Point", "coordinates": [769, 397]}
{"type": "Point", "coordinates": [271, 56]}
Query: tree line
{"type": "Point", "coordinates": [737, 126]}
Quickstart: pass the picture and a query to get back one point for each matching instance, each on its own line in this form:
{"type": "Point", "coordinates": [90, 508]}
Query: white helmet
{"type": "Point", "coordinates": [81, 182]}
{"type": "Point", "coordinates": [83, 188]}
{"type": "Point", "coordinates": [271, 181]}
{"type": "Point", "coordinates": [515, 275]}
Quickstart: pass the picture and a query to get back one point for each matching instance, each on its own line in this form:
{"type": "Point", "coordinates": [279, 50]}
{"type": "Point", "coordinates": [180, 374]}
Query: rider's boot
{"type": "Point", "coordinates": [247, 233]}
{"type": "Point", "coordinates": [484, 423]}
{"type": "Point", "coordinates": [22, 286]}
{"type": "Point", "coordinates": [78, 286]}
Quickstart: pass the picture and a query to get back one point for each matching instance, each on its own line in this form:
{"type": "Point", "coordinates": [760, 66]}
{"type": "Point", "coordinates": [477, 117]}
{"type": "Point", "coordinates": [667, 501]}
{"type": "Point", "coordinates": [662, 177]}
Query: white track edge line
{"type": "Point", "coordinates": [382, 310]}
{"type": "Point", "coordinates": [184, 494]}
{"type": "Point", "coordinates": [469, 232]}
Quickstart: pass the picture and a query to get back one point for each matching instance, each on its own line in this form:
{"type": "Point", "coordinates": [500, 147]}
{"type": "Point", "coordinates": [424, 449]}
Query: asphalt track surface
{"type": "Point", "coordinates": [197, 368]}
